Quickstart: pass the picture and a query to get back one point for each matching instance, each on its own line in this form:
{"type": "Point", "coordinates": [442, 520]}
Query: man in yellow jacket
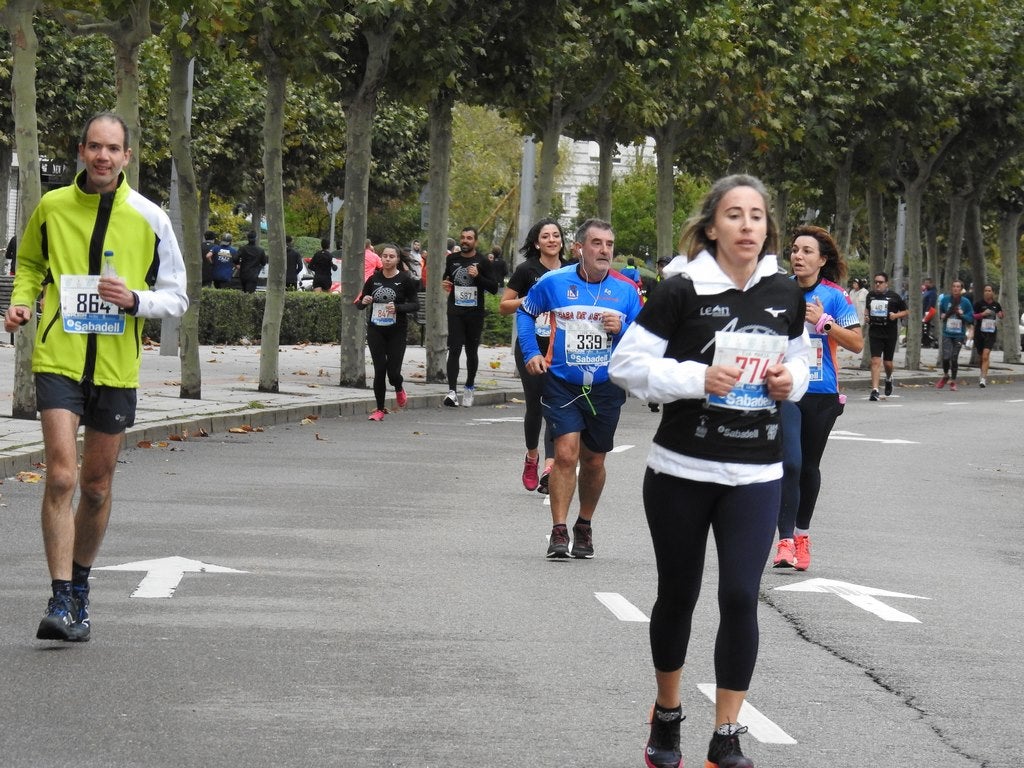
{"type": "Point", "coordinates": [105, 259]}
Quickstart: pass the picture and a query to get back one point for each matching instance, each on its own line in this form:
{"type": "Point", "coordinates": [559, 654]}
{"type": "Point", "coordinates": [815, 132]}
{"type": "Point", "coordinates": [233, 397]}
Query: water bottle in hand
{"type": "Point", "coordinates": [108, 264]}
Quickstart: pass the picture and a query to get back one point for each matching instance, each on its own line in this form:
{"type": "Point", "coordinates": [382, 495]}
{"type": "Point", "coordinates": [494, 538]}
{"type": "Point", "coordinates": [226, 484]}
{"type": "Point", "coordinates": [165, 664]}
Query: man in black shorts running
{"type": "Point", "coordinates": [110, 259]}
{"type": "Point", "coordinates": [884, 309]}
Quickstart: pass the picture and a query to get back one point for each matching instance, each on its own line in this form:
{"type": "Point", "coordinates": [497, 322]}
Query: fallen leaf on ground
{"type": "Point", "coordinates": [29, 477]}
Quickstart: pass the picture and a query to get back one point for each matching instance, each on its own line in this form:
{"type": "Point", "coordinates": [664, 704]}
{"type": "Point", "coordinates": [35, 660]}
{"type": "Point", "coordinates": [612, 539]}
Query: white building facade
{"type": "Point", "coordinates": [581, 161]}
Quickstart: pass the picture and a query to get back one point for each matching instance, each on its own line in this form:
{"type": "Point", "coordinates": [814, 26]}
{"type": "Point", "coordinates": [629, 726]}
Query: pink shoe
{"type": "Point", "coordinates": [803, 552]}
{"type": "Point", "coordinates": [952, 386]}
{"type": "Point", "coordinates": [377, 415]}
{"type": "Point", "coordinates": [530, 479]}
{"type": "Point", "coordinates": [941, 383]}
{"type": "Point", "coordinates": [401, 398]}
{"type": "Point", "coordinates": [785, 556]}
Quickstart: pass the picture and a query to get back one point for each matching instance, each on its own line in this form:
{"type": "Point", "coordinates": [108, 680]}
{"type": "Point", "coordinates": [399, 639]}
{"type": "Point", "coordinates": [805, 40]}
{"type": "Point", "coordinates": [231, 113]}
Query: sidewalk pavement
{"type": "Point", "coordinates": [308, 377]}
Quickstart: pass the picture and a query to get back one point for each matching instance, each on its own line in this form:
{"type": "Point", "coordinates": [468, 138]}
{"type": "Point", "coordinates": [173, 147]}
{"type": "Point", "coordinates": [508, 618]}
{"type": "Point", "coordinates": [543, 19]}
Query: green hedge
{"type": "Point", "coordinates": [227, 316]}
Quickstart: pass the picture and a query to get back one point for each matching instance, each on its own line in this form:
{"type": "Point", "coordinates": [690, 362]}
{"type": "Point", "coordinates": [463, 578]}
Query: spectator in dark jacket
{"type": "Point", "coordinates": [251, 259]}
{"type": "Point", "coordinates": [292, 264]}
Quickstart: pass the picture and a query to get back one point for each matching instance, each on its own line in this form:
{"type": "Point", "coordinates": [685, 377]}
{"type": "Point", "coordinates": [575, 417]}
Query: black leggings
{"type": "Point", "coordinates": [951, 355]}
{"type": "Point", "coordinates": [805, 429]}
{"type": "Point", "coordinates": [387, 350]}
{"type": "Point", "coordinates": [679, 515]}
{"type": "Point", "coordinates": [533, 389]}
{"type": "Point", "coordinates": [464, 330]}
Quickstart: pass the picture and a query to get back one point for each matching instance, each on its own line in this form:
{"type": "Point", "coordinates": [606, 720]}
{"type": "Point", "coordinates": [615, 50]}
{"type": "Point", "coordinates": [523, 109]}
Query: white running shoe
{"type": "Point", "coordinates": [451, 399]}
{"type": "Point", "coordinates": [467, 397]}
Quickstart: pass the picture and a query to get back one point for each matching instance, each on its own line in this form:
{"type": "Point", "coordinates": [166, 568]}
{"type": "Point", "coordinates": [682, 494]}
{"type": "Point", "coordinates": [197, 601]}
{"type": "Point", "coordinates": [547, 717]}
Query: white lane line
{"type": "Point", "coordinates": [892, 441]}
{"type": "Point", "coordinates": [621, 448]}
{"type": "Point", "coordinates": [622, 609]}
{"type": "Point", "coordinates": [759, 726]}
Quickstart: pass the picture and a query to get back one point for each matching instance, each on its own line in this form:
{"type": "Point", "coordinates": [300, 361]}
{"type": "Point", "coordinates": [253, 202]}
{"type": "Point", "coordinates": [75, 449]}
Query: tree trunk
{"type": "Point", "coordinates": [875, 202]}
{"type": "Point", "coordinates": [127, 40]}
{"type": "Point", "coordinates": [843, 227]}
{"type": "Point", "coordinates": [17, 17]}
{"type": "Point", "coordinates": [441, 107]}
{"type": "Point", "coordinates": [6, 158]}
{"type": "Point", "coordinates": [931, 241]}
{"type": "Point", "coordinates": [975, 241]}
{"type": "Point", "coordinates": [954, 241]}
{"type": "Point", "coordinates": [545, 190]}
{"type": "Point", "coordinates": [127, 78]}
{"type": "Point", "coordinates": [204, 203]}
{"type": "Point", "coordinates": [273, 196]}
{"type": "Point", "coordinates": [781, 205]}
{"type": "Point", "coordinates": [360, 108]}
{"type": "Point", "coordinates": [606, 159]}
{"type": "Point", "coordinates": [666, 139]}
{"type": "Point", "coordinates": [1009, 241]}
{"type": "Point", "coordinates": [914, 198]}
{"type": "Point", "coordinates": [180, 136]}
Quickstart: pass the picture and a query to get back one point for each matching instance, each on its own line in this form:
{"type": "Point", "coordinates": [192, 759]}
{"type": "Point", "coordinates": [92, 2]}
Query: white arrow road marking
{"type": "Point", "coordinates": [759, 726]}
{"type": "Point", "coordinates": [164, 574]}
{"type": "Point", "coordinates": [859, 596]}
{"type": "Point", "coordinates": [839, 434]}
{"type": "Point", "coordinates": [620, 607]}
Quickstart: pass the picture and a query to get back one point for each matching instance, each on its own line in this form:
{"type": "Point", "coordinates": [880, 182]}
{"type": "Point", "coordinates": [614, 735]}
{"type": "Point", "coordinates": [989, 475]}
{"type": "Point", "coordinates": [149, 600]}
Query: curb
{"type": "Point", "coordinates": [215, 423]}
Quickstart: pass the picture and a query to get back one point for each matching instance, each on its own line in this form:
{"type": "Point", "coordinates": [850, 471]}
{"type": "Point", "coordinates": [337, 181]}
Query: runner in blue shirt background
{"type": "Point", "coordinates": [955, 312]}
{"type": "Point", "coordinates": [831, 321]}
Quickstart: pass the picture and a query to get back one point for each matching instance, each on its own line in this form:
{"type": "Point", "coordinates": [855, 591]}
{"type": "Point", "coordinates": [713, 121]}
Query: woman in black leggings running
{"type": "Point", "coordinates": [719, 342]}
{"type": "Point", "coordinates": [542, 252]}
{"type": "Point", "coordinates": [832, 322]}
{"type": "Point", "coordinates": [389, 296]}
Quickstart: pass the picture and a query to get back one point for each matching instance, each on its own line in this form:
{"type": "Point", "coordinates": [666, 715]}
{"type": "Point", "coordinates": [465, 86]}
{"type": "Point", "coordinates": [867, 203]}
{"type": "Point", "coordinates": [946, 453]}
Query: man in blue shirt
{"type": "Point", "coordinates": [955, 313]}
{"type": "Point", "coordinates": [589, 305]}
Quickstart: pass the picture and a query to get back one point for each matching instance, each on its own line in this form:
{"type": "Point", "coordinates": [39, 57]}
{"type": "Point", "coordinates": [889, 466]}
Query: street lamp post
{"type": "Point", "coordinates": [334, 205]}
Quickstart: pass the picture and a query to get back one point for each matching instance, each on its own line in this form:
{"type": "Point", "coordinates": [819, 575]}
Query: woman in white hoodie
{"type": "Point", "coordinates": [720, 341]}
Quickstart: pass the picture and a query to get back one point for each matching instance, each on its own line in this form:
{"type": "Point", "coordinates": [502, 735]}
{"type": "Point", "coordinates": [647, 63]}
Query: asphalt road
{"type": "Point", "coordinates": [389, 604]}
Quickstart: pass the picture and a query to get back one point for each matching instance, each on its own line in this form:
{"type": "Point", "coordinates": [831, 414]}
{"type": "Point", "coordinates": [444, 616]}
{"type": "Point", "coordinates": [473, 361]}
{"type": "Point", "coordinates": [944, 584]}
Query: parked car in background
{"type": "Point", "coordinates": [305, 278]}
{"type": "Point", "coordinates": [305, 281]}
